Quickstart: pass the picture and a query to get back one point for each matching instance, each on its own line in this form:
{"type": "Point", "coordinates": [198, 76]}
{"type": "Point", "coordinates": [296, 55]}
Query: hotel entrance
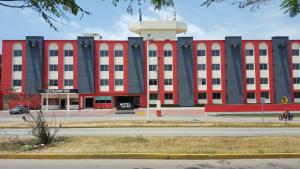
{"type": "Point", "coordinates": [89, 102]}
{"type": "Point", "coordinates": [56, 99]}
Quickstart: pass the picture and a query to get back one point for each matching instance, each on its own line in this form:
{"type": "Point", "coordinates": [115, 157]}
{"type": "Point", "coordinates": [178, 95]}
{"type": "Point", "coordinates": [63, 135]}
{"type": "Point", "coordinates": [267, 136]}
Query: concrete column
{"type": "Point", "coordinates": [68, 102]}
{"type": "Point", "coordinates": [42, 101]}
{"type": "Point", "coordinates": [47, 102]}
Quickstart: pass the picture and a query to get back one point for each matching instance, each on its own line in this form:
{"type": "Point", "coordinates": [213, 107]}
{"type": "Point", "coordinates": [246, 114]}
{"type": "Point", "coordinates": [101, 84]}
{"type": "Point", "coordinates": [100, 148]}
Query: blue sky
{"type": "Point", "coordinates": [215, 22]}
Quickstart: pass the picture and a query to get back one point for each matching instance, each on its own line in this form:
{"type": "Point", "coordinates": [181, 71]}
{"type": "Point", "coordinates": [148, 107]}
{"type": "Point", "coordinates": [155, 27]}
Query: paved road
{"type": "Point", "coordinates": [168, 132]}
{"type": "Point", "coordinates": [151, 164]}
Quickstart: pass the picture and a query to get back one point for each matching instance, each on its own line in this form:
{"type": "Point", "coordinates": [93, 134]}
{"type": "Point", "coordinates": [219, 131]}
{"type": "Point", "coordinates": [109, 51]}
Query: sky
{"type": "Point", "coordinates": [214, 22]}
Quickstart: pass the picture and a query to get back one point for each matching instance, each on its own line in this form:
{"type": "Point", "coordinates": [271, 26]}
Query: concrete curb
{"type": "Point", "coordinates": [150, 156]}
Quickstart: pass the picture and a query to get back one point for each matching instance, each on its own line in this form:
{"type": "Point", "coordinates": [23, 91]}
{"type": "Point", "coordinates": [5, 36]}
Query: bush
{"type": "Point", "coordinates": [40, 128]}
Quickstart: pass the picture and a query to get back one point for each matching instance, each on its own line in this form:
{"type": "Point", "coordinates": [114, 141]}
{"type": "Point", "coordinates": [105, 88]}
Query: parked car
{"type": "Point", "coordinates": [20, 109]}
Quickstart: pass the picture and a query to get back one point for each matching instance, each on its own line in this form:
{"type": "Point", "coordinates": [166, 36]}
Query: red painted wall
{"type": "Point", "coordinates": [251, 108]}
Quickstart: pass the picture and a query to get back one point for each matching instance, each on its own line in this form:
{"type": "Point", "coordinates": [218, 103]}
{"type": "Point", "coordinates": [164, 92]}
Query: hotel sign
{"type": "Point", "coordinates": [55, 91]}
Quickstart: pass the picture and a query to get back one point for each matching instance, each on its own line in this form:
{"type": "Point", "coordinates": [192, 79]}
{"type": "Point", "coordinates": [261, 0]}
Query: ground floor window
{"type": "Point", "coordinates": [103, 99]}
{"type": "Point", "coordinates": [53, 101]}
{"type": "Point", "coordinates": [74, 101]}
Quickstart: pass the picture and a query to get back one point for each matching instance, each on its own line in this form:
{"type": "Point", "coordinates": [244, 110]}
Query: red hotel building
{"type": "Point", "coordinates": [224, 75]}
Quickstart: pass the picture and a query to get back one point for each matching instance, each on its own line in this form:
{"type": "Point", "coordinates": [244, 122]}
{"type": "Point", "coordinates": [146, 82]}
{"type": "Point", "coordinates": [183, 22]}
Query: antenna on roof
{"type": "Point", "coordinates": [140, 15]}
{"type": "Point", "coordinates": [174, 17]}
{"type": "Point", "coordinates": [140, 12]}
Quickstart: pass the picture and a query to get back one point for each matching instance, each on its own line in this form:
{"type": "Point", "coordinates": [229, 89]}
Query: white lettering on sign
{"type": "Point", "coordinates": [125, 105]}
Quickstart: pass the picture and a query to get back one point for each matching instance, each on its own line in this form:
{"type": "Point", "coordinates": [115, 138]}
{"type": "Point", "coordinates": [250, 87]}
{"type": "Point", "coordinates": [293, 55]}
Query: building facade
{"type": "Point", "coordinates": [223, 75]}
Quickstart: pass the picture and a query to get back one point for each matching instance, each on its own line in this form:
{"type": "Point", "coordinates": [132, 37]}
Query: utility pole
{"type": "Point", "coordinates": [148, 90]}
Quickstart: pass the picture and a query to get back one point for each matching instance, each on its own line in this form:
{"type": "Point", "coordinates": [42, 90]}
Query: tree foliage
{"type": "Point", "coordinates": [49, 10]}
{"type": "Point", "coordinates": [289, 6]}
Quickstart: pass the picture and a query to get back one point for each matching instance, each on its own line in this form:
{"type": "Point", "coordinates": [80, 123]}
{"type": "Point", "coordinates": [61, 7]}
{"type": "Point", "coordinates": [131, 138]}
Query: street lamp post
{"type": "Point", "coordinates": [148, 90]}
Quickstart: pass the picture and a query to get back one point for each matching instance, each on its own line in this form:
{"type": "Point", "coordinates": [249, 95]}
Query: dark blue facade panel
{"type": "Point", "coordinates": [34, 64]}
{"type": "Point", "coordinates": [86, 65]}
{"type": "Point", "coordinates": [135, 65]}
{"type": "Point", "coordinates": [185, 71]}
{"type": "Point", "coordinates": [234, 78]}
{"type": "Point", "coordinates": [281, 69]}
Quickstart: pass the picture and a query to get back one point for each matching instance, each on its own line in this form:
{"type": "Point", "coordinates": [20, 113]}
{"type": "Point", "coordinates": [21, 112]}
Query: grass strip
{"type": "Point", "coordinates": [120, 124]}
{"type": "Point", "coordinates": [154, 145]}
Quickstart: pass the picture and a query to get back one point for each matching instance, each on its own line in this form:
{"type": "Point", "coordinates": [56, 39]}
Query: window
{"type": "Point", "coordinates": [119, 82]}
{"type": "Point", "coordinates": [118, 67]}
{"type": "Point", "coordinates": [263, 66]}
{"type": "Point", "coordinates": [53, 82]}
{"type": "Point", "coordinates": [152, 81]}
{"type": "Point", "coordinates": [295, 52]}
{"type": "Point", "coordinates": [264, 81]}
{"type": "Point", "coordinates": [250, 95]}
{"type": "Point", "coordinates": [200, 52]}
{"type": "Point", "coordinates": [297, 80]}
{"type": "Point", "coordinates": [296, 66]}
{"type": "Point", "coordinates": [17, 68]}
{"type": "Point", "coordinates": [104, 82]}
{"type": "Point", "coordinates": [17, 82]}
{"type": "Point", "coordinates": [215, 52]}
{"type": "Point", "coordinates": [53, 101]}
{"type": "Point", "coordinates": [297, 95]}
{"type": "Point", "coordinates": [216, 81]}
{"type": "Point", "coordinates": [68, 82]}
{"type": "Point", "coordinates": [216, 95]}
{"type": "Point", "coordinates": [250, 80]}
{"type": "Point", "coordinates": [201, 81]}
{"type": "Point", "coordinates": [103, 53]}
{"type": "Point", "coordinates": [249, 52]}
{"type": "Point", "coordinates": [118, 53]}
{"type": "Point", "coordinates": [249, 66]}
{"type": "Point", "coordinates": [152, 53]}
{"type": "Point", "coordinates": [152, 67]}
{"type": "Point", "coordinates": [201, 67]}
{"type": "Point", "coordinates": [74, 101]}
{"type": "Point", "coordinates": [215, 66]}
{"type": "Point", "coordinates": [262, 52]}
{"type": "Point", "coordinates": [265, 95]}
{"type": "Point", "coordinates": [103, 99]}
{"type": "Point", "coordinates": [103, 67]}
{"type": "Point", "coordinates": [168, 67]}
{"type": "Point", "coordinates": [168, 96]}
{"type": "Point", "coordinates": [68, 53]}
{"type": "Point", "coordinates": [53, 53]}
{"type": "Point", "coordinates": [68, 67]}
{"type": "Point", "coordinates": [17, 53]}
{"type": "Point", "coordinates": [53, 67]}
{"type": "Point", "coordinates": [167, 53]}
{"type": "Point", "coordinates": [202, 96]}
{"type": "Point", "coordinates": [168, 82]}
{"type": "Point", "coordinates": [153, 96]}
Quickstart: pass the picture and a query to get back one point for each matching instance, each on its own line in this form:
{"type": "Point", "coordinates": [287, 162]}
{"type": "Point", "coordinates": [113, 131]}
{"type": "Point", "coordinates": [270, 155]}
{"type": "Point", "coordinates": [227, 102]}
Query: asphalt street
{"type": "Point", "coordinates": [152, 164]}
{"type": "Point", "coordinates": [167, 131]}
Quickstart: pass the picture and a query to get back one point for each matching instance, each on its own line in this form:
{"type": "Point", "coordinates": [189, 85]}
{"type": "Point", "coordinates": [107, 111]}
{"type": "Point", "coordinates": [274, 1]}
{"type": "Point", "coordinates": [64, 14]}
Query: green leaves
{"type": "Point", "coordinates": [291, 7]}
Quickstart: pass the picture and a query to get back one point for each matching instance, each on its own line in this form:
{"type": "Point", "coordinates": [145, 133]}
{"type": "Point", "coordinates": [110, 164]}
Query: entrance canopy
{"type": "Point", "coordinates": [59, 99]}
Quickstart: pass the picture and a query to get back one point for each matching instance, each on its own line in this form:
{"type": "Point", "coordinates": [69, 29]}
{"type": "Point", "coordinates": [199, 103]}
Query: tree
{"type": "Point", "coordinates": [49, 10]}
{"type": "Point", "coordinates": [289, 6]}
